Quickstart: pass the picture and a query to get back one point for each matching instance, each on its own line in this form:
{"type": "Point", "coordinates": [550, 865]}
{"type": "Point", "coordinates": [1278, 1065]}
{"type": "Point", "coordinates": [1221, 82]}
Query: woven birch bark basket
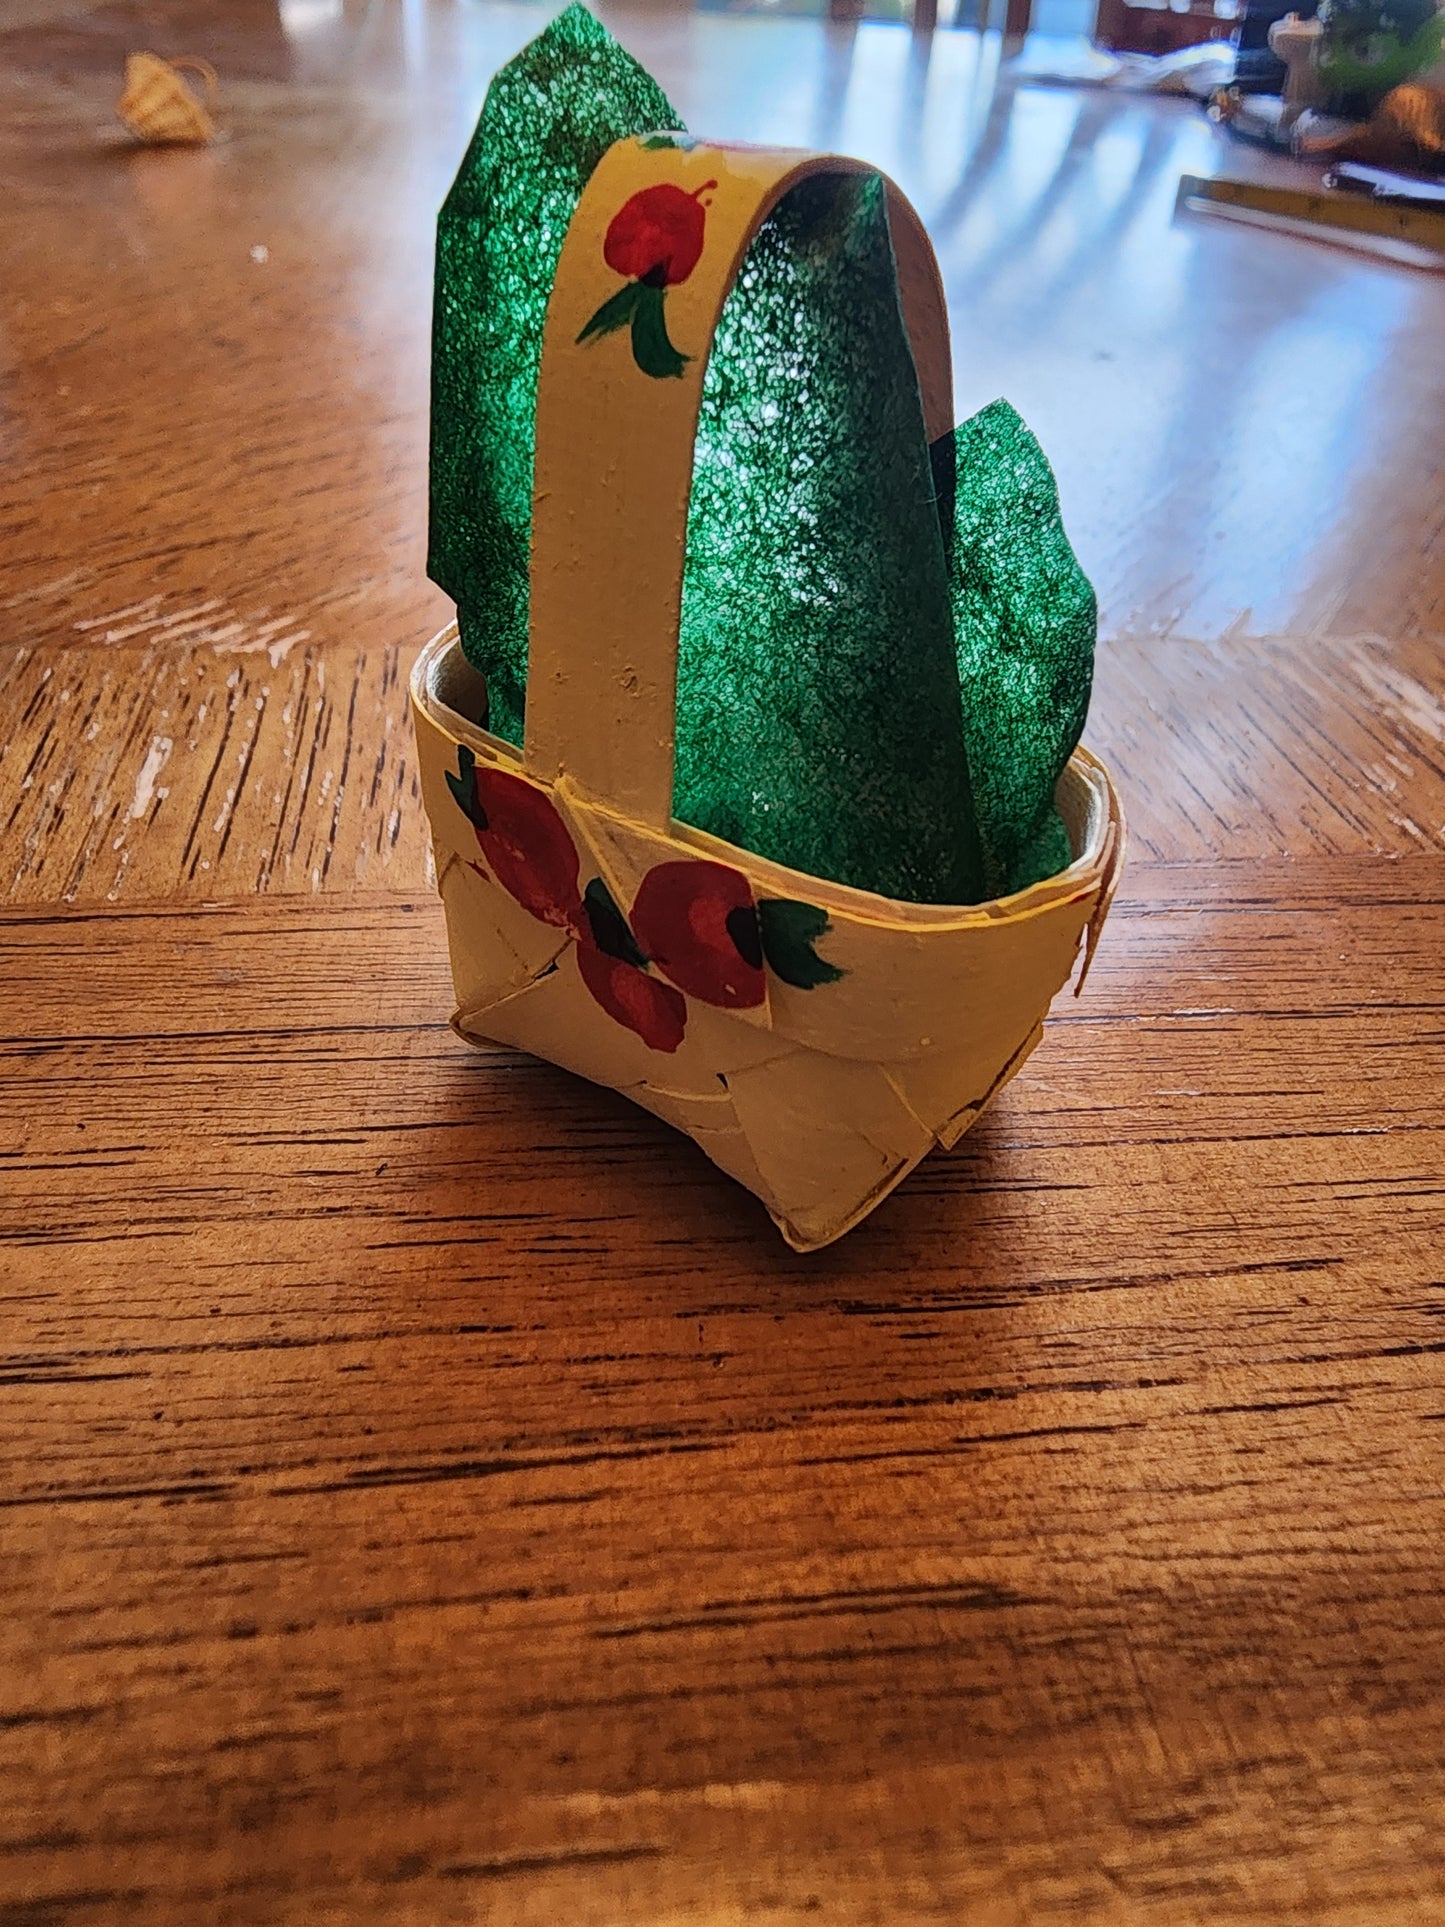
{"type": "Point", "coordinates": [813, 1039]}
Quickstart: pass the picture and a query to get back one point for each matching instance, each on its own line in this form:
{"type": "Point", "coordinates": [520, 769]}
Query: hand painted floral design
{"type": "Point", "coordinates": [655, 240]}
{"type": "Point", "coordinates": [695, 921]}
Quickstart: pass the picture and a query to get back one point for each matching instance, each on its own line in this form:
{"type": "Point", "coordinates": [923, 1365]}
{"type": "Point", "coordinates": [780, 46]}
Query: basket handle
{"type": "Point", "coordinates": [193, 63]}
{"type": "Point", "coordinates": [614, 459]}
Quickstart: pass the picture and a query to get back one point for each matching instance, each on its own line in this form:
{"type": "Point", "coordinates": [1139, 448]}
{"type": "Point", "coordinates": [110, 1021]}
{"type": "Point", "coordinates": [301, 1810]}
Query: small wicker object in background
{"type": "Point", "coordinates": [157, 105]}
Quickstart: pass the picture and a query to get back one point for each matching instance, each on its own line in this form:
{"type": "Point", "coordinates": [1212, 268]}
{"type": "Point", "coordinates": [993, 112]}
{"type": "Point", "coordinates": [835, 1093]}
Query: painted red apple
{"type": "Point", "coordinates": [656, 237]}
{"type": "Point", "coordinates": [646, 1005]}
{"type": "Point", "coordinates": [655, 240]}
{"type": "Point", "coordinates": [698, 923]}
{"type": "Point", "coordinates": [528, 846]}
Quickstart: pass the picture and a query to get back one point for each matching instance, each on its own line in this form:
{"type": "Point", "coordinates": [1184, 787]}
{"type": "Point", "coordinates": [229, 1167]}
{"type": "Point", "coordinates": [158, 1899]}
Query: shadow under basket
{"type": "Point", "coordinates": [898, 1021]}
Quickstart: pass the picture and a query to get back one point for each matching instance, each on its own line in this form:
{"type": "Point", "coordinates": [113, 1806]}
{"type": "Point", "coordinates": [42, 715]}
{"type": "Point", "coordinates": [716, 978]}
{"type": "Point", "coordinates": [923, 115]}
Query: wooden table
{"type": "Point", "coordinates": [430, 1491]}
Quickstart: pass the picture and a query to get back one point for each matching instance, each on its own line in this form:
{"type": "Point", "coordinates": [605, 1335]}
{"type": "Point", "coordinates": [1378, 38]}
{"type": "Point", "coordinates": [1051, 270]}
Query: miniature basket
{"type": "Point", "coordinates": [815, 1040]}
{"type": "Point", "coordinates": [157, 105]}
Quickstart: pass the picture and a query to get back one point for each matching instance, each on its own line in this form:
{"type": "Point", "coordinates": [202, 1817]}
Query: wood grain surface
{"type": "Point", "coordinates": [429, 1491]}
{"type": "Point", "coordinates": [434, 1494]}
{"type": "Point", "coordinates": [216, 767]}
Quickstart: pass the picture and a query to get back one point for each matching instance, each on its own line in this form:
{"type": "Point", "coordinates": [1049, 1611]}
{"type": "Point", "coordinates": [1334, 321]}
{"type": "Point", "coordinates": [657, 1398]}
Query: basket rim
{"type": "Point", "coordinates": [1088, 801]}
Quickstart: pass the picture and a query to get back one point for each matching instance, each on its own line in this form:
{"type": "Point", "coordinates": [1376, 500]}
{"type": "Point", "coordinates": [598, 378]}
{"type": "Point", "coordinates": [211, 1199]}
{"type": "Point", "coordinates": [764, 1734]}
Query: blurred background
{"type": "Point", "coordinates": [1245, 425]}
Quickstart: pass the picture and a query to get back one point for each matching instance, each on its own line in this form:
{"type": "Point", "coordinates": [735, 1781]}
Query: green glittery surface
{"type": "Point", "coordinates": [818, 710]}
{"type": "Point", "coordinates": [840, 590]}
{"type": "Point", "coordinates": [549, 117]}
{"type": "Point", "coordinates": [1024, 619]}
